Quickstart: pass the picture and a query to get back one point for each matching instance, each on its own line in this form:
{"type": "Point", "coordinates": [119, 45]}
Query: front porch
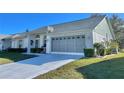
{"type": "Point", "coordinates": [32, 43]}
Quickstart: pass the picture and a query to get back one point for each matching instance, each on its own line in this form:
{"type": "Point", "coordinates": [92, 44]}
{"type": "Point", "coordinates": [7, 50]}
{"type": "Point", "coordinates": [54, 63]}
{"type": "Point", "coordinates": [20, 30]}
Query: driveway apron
{"type": "Point", "coordinates": [33, 67]}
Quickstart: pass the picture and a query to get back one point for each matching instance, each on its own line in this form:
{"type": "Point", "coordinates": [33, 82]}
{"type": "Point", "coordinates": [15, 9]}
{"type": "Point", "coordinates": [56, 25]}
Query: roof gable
{"type": "Point", "coordinates": [88, 23]}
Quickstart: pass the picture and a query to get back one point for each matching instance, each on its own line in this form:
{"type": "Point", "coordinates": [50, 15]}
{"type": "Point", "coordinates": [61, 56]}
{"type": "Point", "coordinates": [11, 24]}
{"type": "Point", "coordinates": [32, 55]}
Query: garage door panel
{"type": "Point", "coordinates": [63, 45]}
{"type": "Point", "coordinates": [60, 44]}
{"type": "Point", "coordinates": [79, 44]}
{"type": "Point", "coordinates": [74, 42]}
{"type": "Point", "coordinates": [68, 44]}
{"type": "Point", "coordinates": [71, 44]}
{"type": "Point", "coordinates": [57, 47]}
{"type": "Point", "coordinates": [53, 44]}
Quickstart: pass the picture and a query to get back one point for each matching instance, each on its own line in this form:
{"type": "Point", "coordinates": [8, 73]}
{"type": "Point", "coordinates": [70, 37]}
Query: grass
{"type": "Point", "coordinates": [109, 67]}
{"type": "Point", "coordinates": [6, 57]}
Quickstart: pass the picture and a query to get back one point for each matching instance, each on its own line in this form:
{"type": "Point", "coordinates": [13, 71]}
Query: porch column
{"type": "Point", "coordinates": [48, 44]}
{"type": "Point", "coordinates": [13, 44]}
{"type": "Point", "coordinates": [28, 44]}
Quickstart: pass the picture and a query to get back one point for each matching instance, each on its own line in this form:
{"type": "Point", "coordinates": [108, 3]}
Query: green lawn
{"type": "Point", "coordinates": [6, 57]}
{"type": "Point", "coordinates": [111, 66]}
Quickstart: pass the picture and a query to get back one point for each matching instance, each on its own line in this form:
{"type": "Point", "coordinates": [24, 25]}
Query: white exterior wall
{"type": "Point", "coordinates": [26, 40]}
{"type": "Point", "coordinates": [15, 43]}
{"type": "Point", "coordinates": [25, 43]}
{"type": "Point", "coordinates": [41, 40]}
{"type": "Point", "coordinates": [48, 44]}
{"type": "Point", "coordinates": [32, 37]}
{"type": "Point", "coordinates": [98, 37]}
{"type": "Point", "coordinates": [89, 40]}
{"type": "Point", "coordinates": [6, 44]}
{"type": "Point", "coordinates": [100, 32]}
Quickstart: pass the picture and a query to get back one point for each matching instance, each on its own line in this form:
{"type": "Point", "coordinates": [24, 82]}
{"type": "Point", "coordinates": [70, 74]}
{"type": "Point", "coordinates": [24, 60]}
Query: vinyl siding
{"type": "Point", "coordinates": [102, 32]}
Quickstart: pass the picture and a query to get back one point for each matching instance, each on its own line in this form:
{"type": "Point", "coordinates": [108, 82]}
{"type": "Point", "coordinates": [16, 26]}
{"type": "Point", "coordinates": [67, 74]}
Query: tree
{"type": "Point", "coordinates": [118, 28]}
{"type": "Point", "coordinates": [116, 22]}
{"type": "Point", "coordinates": [117, 25]}
{"type": "Point", "coordinates": [97, 14]}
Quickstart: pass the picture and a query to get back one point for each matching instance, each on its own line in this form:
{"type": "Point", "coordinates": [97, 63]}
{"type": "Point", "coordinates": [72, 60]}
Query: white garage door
{"type": "Point", "coordinates": [74, 44]}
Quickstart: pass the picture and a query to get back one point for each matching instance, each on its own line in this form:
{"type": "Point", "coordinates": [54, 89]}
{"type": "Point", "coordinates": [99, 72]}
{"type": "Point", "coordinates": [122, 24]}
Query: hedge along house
{"type": "Point", "coordinates": [65, 38]}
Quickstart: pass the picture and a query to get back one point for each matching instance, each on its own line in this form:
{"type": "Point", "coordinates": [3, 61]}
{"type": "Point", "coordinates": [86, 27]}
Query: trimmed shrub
{"type": "Point", "coordinates": [17, 50]}
{"type": "Point", "coordinates": [89, 52]}
{"type": "Point", "coordinates": [102, 52]}
{"type": "Point", "coordinates": [108, 51]}
{"type": "Point", "coordinates": [37, 50]}
{"type": "Point", "coordinates": [100, 49]}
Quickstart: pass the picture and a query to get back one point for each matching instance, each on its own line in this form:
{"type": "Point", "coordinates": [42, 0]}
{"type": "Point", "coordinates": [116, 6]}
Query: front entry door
{"type": "Point", "coordinates": [37, 43]}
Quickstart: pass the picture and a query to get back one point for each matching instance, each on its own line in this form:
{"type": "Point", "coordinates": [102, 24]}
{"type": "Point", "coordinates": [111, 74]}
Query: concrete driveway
{"type": "Point", "coordinates": [33, 67]}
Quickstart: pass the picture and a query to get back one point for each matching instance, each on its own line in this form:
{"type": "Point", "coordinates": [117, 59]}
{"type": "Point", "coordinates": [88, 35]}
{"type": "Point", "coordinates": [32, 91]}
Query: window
{"type": "Point", "coordinates": [73, 37]}
{"type": "Point", "coordinates": [78, 37]}
{"type": "Point", "coordinates": [83, 36]}
{"type": "Point", "coordinates": [31, 42]}
{"type": "Point", "coordinates": [53, 39]}
{"type": "Point", "coordinates": [20, 43]}
{"type": "Point", "coordinates": [37, 43]}
{"type": "Point", "coordinates": [37, 36]}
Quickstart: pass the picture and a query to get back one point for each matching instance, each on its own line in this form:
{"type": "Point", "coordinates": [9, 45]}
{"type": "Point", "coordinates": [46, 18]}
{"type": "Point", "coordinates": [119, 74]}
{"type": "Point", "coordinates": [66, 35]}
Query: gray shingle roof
{"type": "Point", "coordinates": [87, 23]}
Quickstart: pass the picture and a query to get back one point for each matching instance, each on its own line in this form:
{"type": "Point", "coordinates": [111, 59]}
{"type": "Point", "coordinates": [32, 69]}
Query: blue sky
{"type": "Point", "coordinates": [11, 23]}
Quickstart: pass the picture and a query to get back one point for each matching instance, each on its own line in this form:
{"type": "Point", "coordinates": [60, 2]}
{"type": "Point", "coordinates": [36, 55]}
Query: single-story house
{"type": "Point", "coordinates": [3, 43]}
{"type": "Point", "coordinates": [64, 38]}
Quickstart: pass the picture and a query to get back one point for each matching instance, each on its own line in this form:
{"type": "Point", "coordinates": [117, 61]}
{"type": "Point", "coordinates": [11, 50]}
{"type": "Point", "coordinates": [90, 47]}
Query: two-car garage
{"type": "Point", "coordinates": [68, 44]}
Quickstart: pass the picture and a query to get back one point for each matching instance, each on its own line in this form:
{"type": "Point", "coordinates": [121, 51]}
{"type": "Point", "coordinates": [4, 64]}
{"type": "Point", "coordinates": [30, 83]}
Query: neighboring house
{"type": "Point", "coordinates": [4, 44]}
{"type": "Point", "coordinates": [66, 38]}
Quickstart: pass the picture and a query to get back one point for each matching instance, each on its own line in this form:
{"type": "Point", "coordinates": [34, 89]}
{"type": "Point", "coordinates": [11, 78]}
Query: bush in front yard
{"type": "Point", "coordinates": [17, 50]}
{"type": "Point", "coordinates": [108, 51]}
{"type": "Point", "coordinates": [100, 49]}
{"type": "Point", "coordinates": [102, 52]}
{"type": "Point", "coordinates": [89, 52]}
{"type": "Point", "coordinates": [36, 50]}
